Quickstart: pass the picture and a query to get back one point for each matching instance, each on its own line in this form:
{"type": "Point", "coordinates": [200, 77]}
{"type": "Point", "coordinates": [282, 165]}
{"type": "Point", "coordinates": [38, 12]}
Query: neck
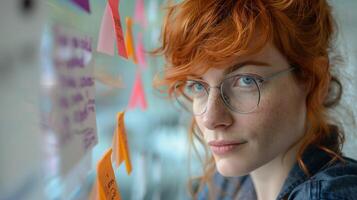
{"type": "Point", "coordinates": [268, 180]}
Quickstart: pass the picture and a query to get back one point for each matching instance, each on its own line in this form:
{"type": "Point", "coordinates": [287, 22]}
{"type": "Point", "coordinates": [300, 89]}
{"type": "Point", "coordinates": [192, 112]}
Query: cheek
{"type": "Point", "coordinates": [263, 124]}
{"type": "Point", "coordinates": [279, 119]}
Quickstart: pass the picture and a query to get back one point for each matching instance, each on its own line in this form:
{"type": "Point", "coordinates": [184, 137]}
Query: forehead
{"type": "Point", "coordinates": [268, 56]}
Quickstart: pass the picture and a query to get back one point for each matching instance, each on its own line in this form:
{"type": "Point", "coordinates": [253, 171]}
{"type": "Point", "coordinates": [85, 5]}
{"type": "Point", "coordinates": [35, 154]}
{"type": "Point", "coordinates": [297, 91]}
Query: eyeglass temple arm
{"type": "Point", "coordinates": [279, 73]}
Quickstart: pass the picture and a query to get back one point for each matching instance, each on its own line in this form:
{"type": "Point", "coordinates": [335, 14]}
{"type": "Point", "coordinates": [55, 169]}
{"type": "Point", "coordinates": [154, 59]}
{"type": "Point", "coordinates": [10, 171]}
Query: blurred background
{"type": "Point", "coordinates": [37, 161]}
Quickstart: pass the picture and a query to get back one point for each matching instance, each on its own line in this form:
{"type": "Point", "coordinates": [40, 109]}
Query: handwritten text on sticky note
{"type": "Point", "coordinates": [106, 178]}
{"type": "Point", "coordinates": [114, 5]}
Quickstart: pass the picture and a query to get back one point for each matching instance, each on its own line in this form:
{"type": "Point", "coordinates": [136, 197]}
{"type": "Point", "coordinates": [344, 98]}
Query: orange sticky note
{"type": "Point", "coordinates": [117, 155]}
{"type": "Point", "coordinates": [115, 149]}
{"type": "Point", "coordinates": [95, 194]}
{"type": "Point", "coordinates": [124, 142]}
{"type": "Point", "coordinates": [137, 97]}
{"type": "Point", "coordinates": [114, 5]}
{"type": "Point", "coordinates": [129, 41]}
{"type": "Point", "coordinates": [107, 186]}
{"type": "Point", "coordinates": [101, 194]}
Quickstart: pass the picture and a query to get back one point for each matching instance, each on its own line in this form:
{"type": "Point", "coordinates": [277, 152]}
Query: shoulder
{"type": "Point", "coordinates": [337, 181]}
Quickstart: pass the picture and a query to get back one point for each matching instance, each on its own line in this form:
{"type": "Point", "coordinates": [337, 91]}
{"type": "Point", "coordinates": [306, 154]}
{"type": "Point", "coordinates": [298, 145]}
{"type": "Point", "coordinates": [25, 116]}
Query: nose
{"type": "Point", "coordinates": [216, 116]}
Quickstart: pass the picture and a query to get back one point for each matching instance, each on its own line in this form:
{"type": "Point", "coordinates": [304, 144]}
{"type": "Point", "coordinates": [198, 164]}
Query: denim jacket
{"type": "Point", "coordinates": [328, 181]}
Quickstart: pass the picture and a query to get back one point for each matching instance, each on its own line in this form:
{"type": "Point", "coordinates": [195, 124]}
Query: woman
{"type": "Point", "coordinates": [256, 76]}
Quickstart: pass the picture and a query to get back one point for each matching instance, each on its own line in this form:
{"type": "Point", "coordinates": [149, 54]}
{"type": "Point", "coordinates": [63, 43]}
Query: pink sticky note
{"type": "Point", "coordinates": [114, 5]}
{"type": "Point", "coordinates": [138, 96]}
{"type": "Point", "coordinates": [140, 52]}
{"type": "Point", "coordinates": [140, 13]}
{"type": "Point", "coordinates": [84, 4]}
{"type": "Point", "coordinates": [106, 35]}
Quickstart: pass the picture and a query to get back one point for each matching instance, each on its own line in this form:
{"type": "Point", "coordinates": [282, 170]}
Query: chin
{"type": "Point", "coordinates": [229, 169]}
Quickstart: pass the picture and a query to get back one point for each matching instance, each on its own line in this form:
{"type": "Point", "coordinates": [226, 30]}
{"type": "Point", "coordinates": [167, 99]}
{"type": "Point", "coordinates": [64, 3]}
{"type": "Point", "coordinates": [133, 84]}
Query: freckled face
{"type": "Point", "coordinates": [241, 143]}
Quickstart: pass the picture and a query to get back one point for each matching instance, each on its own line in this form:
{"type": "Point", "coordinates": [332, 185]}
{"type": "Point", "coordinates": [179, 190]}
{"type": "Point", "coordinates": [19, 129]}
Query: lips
{"type": "Point", "coordinates": [224, 143]}
{"type": "Point", "coordinates": [221, 147]}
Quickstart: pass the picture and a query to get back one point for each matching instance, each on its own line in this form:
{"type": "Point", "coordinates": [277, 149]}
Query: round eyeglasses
{"type": "Point", "coordinates": [239, 92]}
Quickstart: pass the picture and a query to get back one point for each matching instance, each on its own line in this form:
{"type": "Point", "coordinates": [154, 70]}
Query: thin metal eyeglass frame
{"type": "Point", "coordinates": [258, 82]}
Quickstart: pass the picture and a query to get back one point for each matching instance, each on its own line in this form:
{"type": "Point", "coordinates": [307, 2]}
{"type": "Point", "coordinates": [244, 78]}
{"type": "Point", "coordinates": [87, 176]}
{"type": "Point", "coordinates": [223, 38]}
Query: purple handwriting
{"type": "Point", "coordinates": [70, 82]}
{"type": "Point", "coordinates": [91, 105]}
{"type": "Point", "coordinates": [88, 134]}
{"type": "Point", "coordinates": [86, 81]}
{"type": "Point", "coordinates": [84, 43]}
{"type": "Point", "coordinates": [91, 101]}
{"type": "Point", "coordinates": [89, 141]}
{"type": "Point", "coordinates": [63, 103]}
{"type": "Point", "coordinates": [76, 98]}
{"type": "Point", "coordinates": [91, 108]}
{"type": "Point", "coordinates": [75, 62]}
{"type": "Point", "coordinates": [62, 40]}
{"type": "Point", "coordinates": [89, 137]}
{"type": "Point", "coordinates": [80, 115]}
{"type": "Point", "coordinates": [71, 63]}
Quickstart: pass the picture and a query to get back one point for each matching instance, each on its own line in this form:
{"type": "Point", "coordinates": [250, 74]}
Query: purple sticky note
{"type": "Point", "coordinates": [84, 4]}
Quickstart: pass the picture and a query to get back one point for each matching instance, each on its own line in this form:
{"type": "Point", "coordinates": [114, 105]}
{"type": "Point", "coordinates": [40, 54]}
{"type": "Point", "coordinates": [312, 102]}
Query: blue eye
{"type": "Point", "coordinates": [198, 87]}
{"type": "Point", "coordinates": [246, 81]}
{"type": "Point", "coordinates": [195, 88]}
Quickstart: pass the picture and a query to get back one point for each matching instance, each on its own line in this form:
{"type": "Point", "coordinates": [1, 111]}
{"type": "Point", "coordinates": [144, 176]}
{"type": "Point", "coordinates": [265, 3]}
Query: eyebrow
{"type": "Point", "coordinates": [241, 64]}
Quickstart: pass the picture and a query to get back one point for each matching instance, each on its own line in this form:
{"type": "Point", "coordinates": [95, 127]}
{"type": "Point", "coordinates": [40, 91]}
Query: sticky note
{"type": "Point", "coordinates": [115, 149]}
{"type": "Point", "coordinates": [117, 155]}
{"type": "Point", "coordinates": [84, 4]}
{"type": "Point", "coordinates": [139, 15]}
{"type": "Point", "coordinates": [140, 52]}
{"type": "Point", "coordinates": [72, 111]}
{"type": "Point", "coordinates": [108, 79]}
{"type": "Point", "coordinates": [107, 186]}
{"type": "Point", "coordinates": [114, 5]}
{"type": "Point", "coordinates": [124, 148]}
{"type": "Point", "coordinates": [106, 38]}
{"type": "Point", "coordinates": [137, 97]}
{"type": "Point", "coordinates": [129, 41]}
{"type": "Point", "coordinates": [120, 146]}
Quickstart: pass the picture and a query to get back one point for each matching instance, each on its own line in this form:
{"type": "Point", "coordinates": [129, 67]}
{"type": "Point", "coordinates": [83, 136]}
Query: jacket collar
{"type": "Point", "coordinates": [314, 159]}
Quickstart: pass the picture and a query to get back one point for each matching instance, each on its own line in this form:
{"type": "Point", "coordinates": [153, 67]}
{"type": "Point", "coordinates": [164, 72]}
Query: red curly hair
{"type": "Point", "coordinates": [214, 31]}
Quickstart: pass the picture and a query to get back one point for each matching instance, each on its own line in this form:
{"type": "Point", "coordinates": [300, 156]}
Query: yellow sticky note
{"type": "Point", "coordinates": [107, 186]}
{"type": "Point", "coordinates": [123, 142]}
{"type": "Point", "coordinates": [129, 40]}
